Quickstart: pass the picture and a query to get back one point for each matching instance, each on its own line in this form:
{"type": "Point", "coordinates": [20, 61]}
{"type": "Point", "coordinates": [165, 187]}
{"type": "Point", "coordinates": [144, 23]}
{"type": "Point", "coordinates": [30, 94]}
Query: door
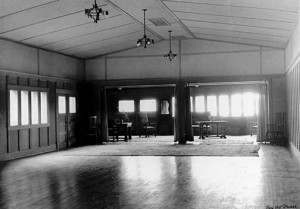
{"type": "Point", "coordinates": [66, 120]}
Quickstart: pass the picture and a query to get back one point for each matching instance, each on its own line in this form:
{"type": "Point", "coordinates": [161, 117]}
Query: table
{"type": "Point", "coordinates": [205, 125]}
{"type": "Point", "coordinates": [123, 128]}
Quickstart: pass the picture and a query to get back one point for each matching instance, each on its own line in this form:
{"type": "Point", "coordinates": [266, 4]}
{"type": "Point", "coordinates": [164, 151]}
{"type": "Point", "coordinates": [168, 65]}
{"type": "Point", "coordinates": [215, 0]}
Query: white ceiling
{"type": "Point", "coordinates": [61, 25]}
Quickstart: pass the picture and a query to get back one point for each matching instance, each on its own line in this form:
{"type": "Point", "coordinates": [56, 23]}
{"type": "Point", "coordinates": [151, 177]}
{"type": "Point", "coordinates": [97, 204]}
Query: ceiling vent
{"type": "Point", "coordinates": [159, 21]}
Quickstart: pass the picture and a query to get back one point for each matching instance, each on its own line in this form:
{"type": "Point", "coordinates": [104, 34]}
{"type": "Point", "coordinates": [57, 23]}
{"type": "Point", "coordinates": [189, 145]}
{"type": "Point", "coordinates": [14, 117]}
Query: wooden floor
{"type": "Point", "coordinates": [57, 181]}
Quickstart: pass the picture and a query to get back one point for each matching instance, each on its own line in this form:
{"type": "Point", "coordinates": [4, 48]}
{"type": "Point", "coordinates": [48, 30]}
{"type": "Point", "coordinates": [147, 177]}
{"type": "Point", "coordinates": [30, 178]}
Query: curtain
{"type": "Point", "coordinates": [188, 125]}
{"type": "Point", "coordinates": [104, 117]}
{"type": "Point", "coordinates": [263, 116]}
{"type": "Point", "coordinates": [183, 118]}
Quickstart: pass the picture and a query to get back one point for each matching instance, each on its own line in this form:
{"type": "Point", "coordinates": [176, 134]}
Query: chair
{"type": "Point", "coordinates": [147, 127]}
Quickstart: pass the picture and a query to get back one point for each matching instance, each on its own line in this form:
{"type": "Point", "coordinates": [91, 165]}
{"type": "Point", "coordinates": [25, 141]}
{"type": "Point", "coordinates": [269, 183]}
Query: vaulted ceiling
{"type": "Point", "coordinates": [61, 25]}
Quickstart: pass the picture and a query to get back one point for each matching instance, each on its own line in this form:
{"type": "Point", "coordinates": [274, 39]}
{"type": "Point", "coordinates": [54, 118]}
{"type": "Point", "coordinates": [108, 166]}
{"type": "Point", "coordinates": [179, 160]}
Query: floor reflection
{"type": "Point", "coordinates": [59, 181]}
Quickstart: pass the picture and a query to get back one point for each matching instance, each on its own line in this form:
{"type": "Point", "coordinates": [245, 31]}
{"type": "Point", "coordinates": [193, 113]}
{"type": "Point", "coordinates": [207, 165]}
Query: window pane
{"type": "Point", "coordinates": [236, 105]}
{"type": "Point", "coordinates": [24, 108]}
{"type": "Point", "coordinates": [61, 104]}
{"type": "Point", "coordinates": [126, 106]}
{"type": "Point", "coordinates": [200, 105]}
{"type": "Point", "coordinates": [192, 104]}
{"type": "Point", "coordinates": [223, 105]}
{"type": "Point", "coordinates": [256, 104]}
{"type": "Point", "coordinates": [34, 108]}
{"type": "Point", "coordinates": [148, 105]}
{"type": "Point", "coordinates": [72, 104]}
{"type": "Point", "coordinates": [14, 111]}
{"type": "Point", "coordinates": [248, 104]}
{"type": "Point", "coordinates": [212, 105]}
{"type": "Point", "coordinates": [44, 107]}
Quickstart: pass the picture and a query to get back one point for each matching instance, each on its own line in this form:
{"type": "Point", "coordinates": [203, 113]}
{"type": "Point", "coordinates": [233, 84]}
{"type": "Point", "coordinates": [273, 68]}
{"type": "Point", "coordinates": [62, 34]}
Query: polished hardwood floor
{"type": "Point", "coordinates": [57, 181]}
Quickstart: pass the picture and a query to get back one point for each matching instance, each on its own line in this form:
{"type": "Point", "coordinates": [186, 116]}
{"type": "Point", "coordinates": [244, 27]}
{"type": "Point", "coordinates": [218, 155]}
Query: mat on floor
{"type": "Point", "coordinates": [165, 149]}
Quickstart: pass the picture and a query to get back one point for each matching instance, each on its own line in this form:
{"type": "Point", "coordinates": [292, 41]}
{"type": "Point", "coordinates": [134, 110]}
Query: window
{"type": "Point", "coordinates": [13, 108]}
{"type": "Point", "coordinates": [223, 105]}
{"type": "Point", "coordinates": [212, 105]}
{"type": "Point", "coordinates": [24, 108]}
{"type": "Point", "coordinates": [248, 104]}
{"type": "Point", "coordinates": [126, 106]}
{"type": "Point", "coordinates": [27, 107]}
{"type": "Point", "coordinates": [192, 104]}
{"type": "Point", "coordinates": [62, 105]}
{"type": "Point", "coordinates": [200, 105]}
{"type": "Point", "coordinates": [34, 108]}
{"type": "Point", "coordinates": [72, 104]}
{"type": "Point", "coordinates": [236, 105]}
{"type": "Point", "coordinates": [44, 107]}
{"type": "Point", "coordinates": [148, 105]}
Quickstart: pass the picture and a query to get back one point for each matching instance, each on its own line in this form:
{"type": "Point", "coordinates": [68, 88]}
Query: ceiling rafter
{"type": "Point", "coordinates": [137, 21]}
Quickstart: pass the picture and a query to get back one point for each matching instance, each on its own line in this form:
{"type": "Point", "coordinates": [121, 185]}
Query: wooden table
{"type": "Point", "coordinates": [205, 125]}
{"type": "Point", "coordinates": [123, 128]}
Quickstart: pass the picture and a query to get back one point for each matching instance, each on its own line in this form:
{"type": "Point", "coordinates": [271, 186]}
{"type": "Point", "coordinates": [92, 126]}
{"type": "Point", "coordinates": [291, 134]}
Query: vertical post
{"type": "Point", "coordinates": [180, 113]}
{"type": "Point", "coordinates": [188, 124]}
{"type": "Point", "coordinates": [104, 118]}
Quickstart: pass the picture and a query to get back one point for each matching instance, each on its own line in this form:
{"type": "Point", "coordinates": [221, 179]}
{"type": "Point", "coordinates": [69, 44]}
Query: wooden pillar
{"type": "Point", "coordinates": [3, 115]}
{"type": "Point", "coordinates": [180, 114]}
{"type": "Point", "coordinates": [183, 117]}
{"type": "Point", "coordinates": [104, 117]}
{"type": "Point", "coordinates": [188, 120]}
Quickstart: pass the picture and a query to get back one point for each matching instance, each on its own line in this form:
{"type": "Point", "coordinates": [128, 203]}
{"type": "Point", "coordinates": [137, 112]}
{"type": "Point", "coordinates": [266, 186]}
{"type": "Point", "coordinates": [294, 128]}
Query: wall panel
{"type": "Point", "coordinates": [24, 139]}
{"type": "Point", "coordinates": [293, 104]}
{"type": "Point", "coordinates": [34, 138]}
{"type": "Point", "coordinates": [17, 57]}
{"type": "Point", "coordinates": [13, 139]}
{"type": "Point", "coordinates": [221, 64]}
{"type": "Point", "coordinates": [44, 136]}
{"type": "Point", "coordinates": [142, 68]}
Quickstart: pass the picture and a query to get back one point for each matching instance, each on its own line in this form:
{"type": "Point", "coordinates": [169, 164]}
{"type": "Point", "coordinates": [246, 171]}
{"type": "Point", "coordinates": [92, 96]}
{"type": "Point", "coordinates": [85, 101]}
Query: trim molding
{"type": "Point", "coordinates": [27, 153]}
{"type": "Point", "coordinates": [4, 72]}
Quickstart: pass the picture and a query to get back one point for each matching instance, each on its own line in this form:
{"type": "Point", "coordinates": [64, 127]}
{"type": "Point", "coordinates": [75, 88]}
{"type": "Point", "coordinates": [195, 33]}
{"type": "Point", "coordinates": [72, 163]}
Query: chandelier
{"type": "Point", "coordinates": [170, 55]}
{"type": "Point", "coordinates": [95, 12]}
{"type": "Point", "coordinates": [145, 40]}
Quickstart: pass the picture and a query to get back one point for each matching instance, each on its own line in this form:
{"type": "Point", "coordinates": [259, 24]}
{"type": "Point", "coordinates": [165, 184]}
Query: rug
{"type": "Point", "coordinates": [165, 149]}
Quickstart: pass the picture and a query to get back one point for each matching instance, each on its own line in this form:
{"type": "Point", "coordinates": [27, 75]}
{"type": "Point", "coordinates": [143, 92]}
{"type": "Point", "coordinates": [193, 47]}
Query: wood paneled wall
{"type": "Point", "coordinates": [293, 103]}
{"type": "Point", "coordinates": [32, 139]}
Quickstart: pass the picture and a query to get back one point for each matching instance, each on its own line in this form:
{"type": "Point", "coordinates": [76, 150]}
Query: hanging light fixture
{"type": "Point", "coordinates": [170, 55]}
{"type": "Point", "coordinates": [95, 12]}
{"type": "Point", "coordinates": [145, 40]}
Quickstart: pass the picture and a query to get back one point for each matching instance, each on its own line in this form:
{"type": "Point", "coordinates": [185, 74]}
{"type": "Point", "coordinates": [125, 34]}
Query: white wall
{"type": "Point", "coordinates": [16, 57]}
{"type": "Point", "coordinates": [198, 58]}
{"type": "Point", "coordinates": [292, 51]}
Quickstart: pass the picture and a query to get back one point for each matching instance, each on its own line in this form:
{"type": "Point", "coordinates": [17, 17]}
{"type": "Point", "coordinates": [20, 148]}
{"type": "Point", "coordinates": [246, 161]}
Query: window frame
{"type": "Point", "coordinates": [127, 112]}
{"type": "Point", "coordinates": [156, 105]}
{"type": "Point", "coordinates": [29, 89]}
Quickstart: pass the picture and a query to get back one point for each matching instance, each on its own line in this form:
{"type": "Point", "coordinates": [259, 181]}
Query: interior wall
{"type": "Point", "coordinates": [19, 58]}
{"type": "Point", "coordinates": [292, 54]}
{"type": "Point", "coordinates": [28, 67]}
{"type": "Point", "coordinates": [198, 58]}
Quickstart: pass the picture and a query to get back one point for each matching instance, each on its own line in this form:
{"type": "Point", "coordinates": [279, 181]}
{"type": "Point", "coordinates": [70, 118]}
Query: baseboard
{"type": "Point", "coordinates": [27, 153]}
{"type": "Point", "coordinates": [295, 152]}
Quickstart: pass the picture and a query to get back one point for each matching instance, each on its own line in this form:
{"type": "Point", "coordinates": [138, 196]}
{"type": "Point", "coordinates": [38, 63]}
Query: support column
{"type": "Point", "coordinates": [188, 121]}
{"type": "Point", "coordinates": [183, 119]}
{"type": "Point", "coordinates": [104, 117]}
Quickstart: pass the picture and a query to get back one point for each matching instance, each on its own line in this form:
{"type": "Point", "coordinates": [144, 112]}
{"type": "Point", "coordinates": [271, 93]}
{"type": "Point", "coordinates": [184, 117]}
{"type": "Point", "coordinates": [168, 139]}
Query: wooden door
{"type": "Point", "coordinates": [66, 120]}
